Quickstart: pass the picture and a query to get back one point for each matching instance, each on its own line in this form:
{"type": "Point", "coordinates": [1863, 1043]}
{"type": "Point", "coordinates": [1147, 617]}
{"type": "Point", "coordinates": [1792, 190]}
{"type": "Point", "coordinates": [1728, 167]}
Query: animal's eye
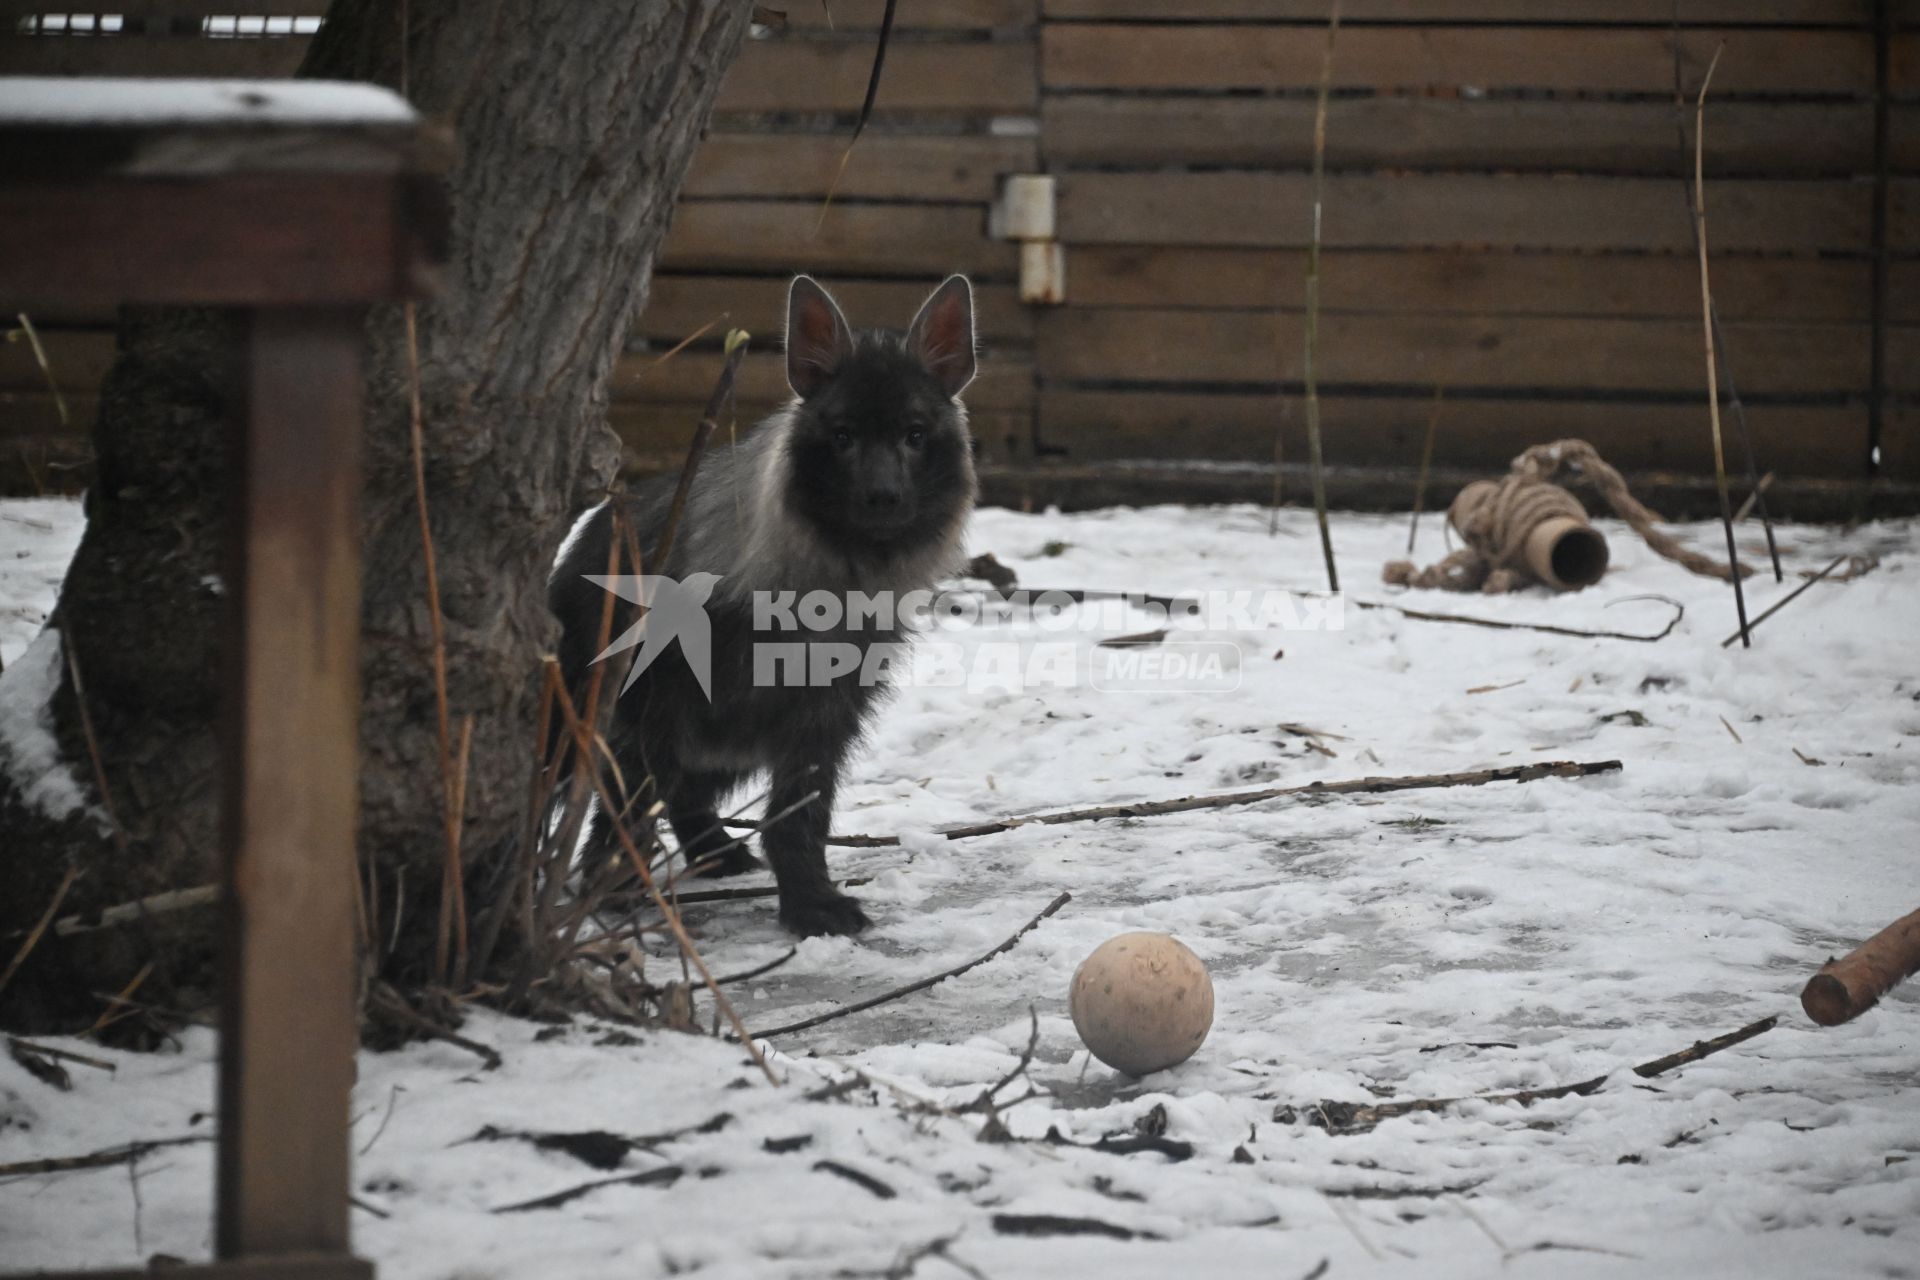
{"type": "Point", "coordinates": [916, 437]}
{"type": "Point", "coordinates": [842, 437]}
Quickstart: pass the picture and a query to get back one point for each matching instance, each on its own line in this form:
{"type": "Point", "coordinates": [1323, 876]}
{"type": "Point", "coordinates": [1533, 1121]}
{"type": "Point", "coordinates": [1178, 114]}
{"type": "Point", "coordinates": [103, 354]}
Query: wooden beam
{"type": "Point", "coordinates": [1354, 12]}
{"type": "Point", "coordinates": [1437, 210]}
{"type": "Point", "coordinates": [1431, 57]}
{"type": "Point", "coordinates": [1522, 352]}
{"type": "Point", "coordinates": [1545, 135]}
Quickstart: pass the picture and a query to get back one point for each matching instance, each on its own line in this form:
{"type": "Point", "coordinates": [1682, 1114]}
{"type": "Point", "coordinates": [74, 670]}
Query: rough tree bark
{"type": "Point", "coordinates": [573, 123]}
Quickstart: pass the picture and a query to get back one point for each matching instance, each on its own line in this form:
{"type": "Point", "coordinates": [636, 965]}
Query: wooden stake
{"type": "Point", "coordinates": [1844, 989]}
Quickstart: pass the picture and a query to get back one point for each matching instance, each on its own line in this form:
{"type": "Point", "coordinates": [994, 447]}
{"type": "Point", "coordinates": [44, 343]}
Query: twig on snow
{"type": "Point", "coordinates": [665, 1175]}
{"type": "Point", "coordinates": [103, 1159]}
{"type": "Point", "coordinates": [865, 1181]}
{"type": "Point", "coordinates": [1346, 1117]}
{"type": "Point", "coordinates": [1784, 601]}
{"type": "Point", "coordinates": [1187, 804]}
{"type": "Point", "coordinates": [391, 1002]}
{"type": "Point", "coordinates": [64, 1055]}
{"type": "Point", "coordinates": [1420, 615]}
{"type": "Point", "coordinates": [861, 1006]}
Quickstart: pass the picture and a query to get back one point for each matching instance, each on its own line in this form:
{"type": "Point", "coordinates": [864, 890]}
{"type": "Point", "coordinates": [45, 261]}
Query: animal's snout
{"type": "Point", "coordinates": [883, 497]}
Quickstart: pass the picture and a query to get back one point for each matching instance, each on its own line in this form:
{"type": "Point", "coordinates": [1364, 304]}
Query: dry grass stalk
{"type": "Point", "coordinates": [449, 787]}
{"type": "Point", "coordinates": [641, 869]}
{"type": "Point", "coordinates": [122, 1005]}
{"type": "Point", "coordinates": [686, 342]}
{"type": "Point", "coordinates": [46, 368]}
{"type": "Point", "coordinates": [1756, 494]}
{"type": "Point", "coordinates": [866, 108]}
{"type": "Point", "coordinates": [1426, 463]}
{"type": "Point", "coordinates": [1314, 458]}
{"type": "Point", "coordinates": [1706, 324]}
{"type": "Point", "coordinates": [93, 746]}
{"type": "Point", "coordinates": [575, 768]}
{"type": "Point", "coordinates": [39, 929]}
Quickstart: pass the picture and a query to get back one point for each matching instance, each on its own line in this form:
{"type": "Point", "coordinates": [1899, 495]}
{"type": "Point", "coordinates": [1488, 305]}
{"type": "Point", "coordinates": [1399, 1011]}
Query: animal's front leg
{"type": "Point", "coordinates": [696, 821]}
{"type": "Point", "coordinates": [796, 846]}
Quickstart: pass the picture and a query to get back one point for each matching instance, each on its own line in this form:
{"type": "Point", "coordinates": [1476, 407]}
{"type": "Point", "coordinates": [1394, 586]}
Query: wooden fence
{"type": "Point", "coordinates": [1505, 222]}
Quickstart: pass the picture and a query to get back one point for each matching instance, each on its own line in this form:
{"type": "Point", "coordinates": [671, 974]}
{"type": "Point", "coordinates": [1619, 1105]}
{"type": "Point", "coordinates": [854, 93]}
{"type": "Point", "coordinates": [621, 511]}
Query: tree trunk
{"type": "Point", "coordinates": [573, 122]}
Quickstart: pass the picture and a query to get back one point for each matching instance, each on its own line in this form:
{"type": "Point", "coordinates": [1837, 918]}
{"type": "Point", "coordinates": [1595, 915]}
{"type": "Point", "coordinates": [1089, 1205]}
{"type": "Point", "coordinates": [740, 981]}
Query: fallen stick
{"type": "Point", "coordinates": [1846, 988]}
{"type": "Point", "coordinates": [64, 1055]}
{"type": "Point", "coordinates": [1218, 800]}
{"type": "Point", "coordinates": [912, 987]}
{"type": "Point", "coordinates": [665, 1175]}
{"type": "Point", "coordinates": [390, 1002]}
{"type": "Point", "coordinates": [1187, 804]}
{"type": "Point", "coordinates": [1346, 1118]}
{"type": "Point", "coordinates": [95, 1159]}
{"type": "Point", "coordinates": [1420, 615]}
{"type": "Point", "coordinates": [1785, 600]}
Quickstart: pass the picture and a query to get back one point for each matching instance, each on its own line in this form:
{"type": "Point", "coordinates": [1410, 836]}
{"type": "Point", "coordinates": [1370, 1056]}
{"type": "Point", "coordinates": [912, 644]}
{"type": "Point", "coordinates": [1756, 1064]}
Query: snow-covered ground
{"type": "Point", "coordinates": [1423, 944]}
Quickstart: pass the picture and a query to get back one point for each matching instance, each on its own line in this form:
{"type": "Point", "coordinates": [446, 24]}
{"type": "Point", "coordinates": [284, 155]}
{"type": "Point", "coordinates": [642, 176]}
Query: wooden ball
{"type": "Point", "coordinates": [1142, 1002]}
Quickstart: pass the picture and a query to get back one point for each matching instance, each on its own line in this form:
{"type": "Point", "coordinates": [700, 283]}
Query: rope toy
{"type": "Point", "coordinates": [1525, 528]}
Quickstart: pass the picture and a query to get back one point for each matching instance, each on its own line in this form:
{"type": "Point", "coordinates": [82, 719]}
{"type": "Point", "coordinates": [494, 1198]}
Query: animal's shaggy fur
{"type": "Point", "coordinates": [863, 483]}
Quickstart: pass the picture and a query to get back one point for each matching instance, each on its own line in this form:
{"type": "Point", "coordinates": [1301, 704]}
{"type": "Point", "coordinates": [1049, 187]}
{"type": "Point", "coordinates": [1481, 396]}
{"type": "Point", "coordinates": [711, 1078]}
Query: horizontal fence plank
{"type": "Point", "coordinates": [264, 58]}
{"type": "Point", "coordinates": [657, 435]}
{"type": "Point", "coordinates": [1636, 12]}
{"type": "Point", "coordinates": [1903, 215]}
{"type": "Point", "coordinates": [144, 9]}
{"type": "Point", "coordinates": [31, 415]}
{"type": "Point", "coordinates": [1903, 137]}
{"type": "Point", "coordinates": [1903, 291]}
{"type": "Point", "coordinates": [677, 305]}
{"type": "Point", "coordinates": [1430, 57]}
{"type": "Point", "coordinates": [1005, 382]}
{"type": "Point", "coordinates": [1554, 135]}
{"type": "Point", "coordinates": [77, 358]}
{"type": "Point", "coordinates": [1480, 282]}
{"type": "Point", "coordinates": [1461, 351]}
{"type": "Point", "coordinates": [1903, 359]}
{"type": "Point", "coordinates": [1269, 209]}
{"type": "Point", "coordinates": [1900, 441]}
{"type": "Point", "coordinates": [882, 166]}
{"type": "Point", "coordinates": [848, 16]}
{"type": "Point", "coordinates": [1481, 434]}
{"type": "Point", "coordinates": [886, 240]}
{"type": "Point", "coordinates": [821, 75]}
{"type": "Point", "coordinates": [769, 75]}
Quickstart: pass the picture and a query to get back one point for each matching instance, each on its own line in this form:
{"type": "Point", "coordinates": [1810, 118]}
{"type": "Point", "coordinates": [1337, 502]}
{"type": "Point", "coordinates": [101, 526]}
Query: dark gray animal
{"type": "Point", "coordinates": [863, 483]}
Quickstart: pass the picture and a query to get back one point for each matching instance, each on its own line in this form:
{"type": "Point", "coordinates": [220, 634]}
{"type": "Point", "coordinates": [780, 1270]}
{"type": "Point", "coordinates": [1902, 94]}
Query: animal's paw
{"type": "Point", "coordinates": [833, 913]}
{"type": "Point", "coordinates": [734, 862]}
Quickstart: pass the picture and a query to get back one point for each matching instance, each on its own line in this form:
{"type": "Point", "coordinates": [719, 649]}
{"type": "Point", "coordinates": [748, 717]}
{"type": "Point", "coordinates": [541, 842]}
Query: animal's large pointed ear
{"type": "Point", "coordinates": [818, 338]}
{"type": "Point", "coordinates": [942, 334]}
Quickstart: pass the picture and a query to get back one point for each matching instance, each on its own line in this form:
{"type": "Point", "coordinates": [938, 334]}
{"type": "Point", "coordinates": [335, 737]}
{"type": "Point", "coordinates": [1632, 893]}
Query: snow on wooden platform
{"type": "Point", "coordinates": [1424, 944]}
{"type": "Point", "coordinates": [110, 101]}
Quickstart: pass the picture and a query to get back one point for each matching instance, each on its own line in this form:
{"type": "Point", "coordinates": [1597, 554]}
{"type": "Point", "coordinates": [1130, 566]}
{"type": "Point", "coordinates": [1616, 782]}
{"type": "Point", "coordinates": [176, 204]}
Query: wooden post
{"type": "Point", "coordinates": [293, 704]}
{"type": "Point", "coordinates": [305, 204]}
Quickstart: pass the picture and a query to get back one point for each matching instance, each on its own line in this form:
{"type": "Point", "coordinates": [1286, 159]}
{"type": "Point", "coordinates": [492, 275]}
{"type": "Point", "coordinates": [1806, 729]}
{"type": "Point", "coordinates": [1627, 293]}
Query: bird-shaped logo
{"type": "Point", "coordinates": [676, 609]}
